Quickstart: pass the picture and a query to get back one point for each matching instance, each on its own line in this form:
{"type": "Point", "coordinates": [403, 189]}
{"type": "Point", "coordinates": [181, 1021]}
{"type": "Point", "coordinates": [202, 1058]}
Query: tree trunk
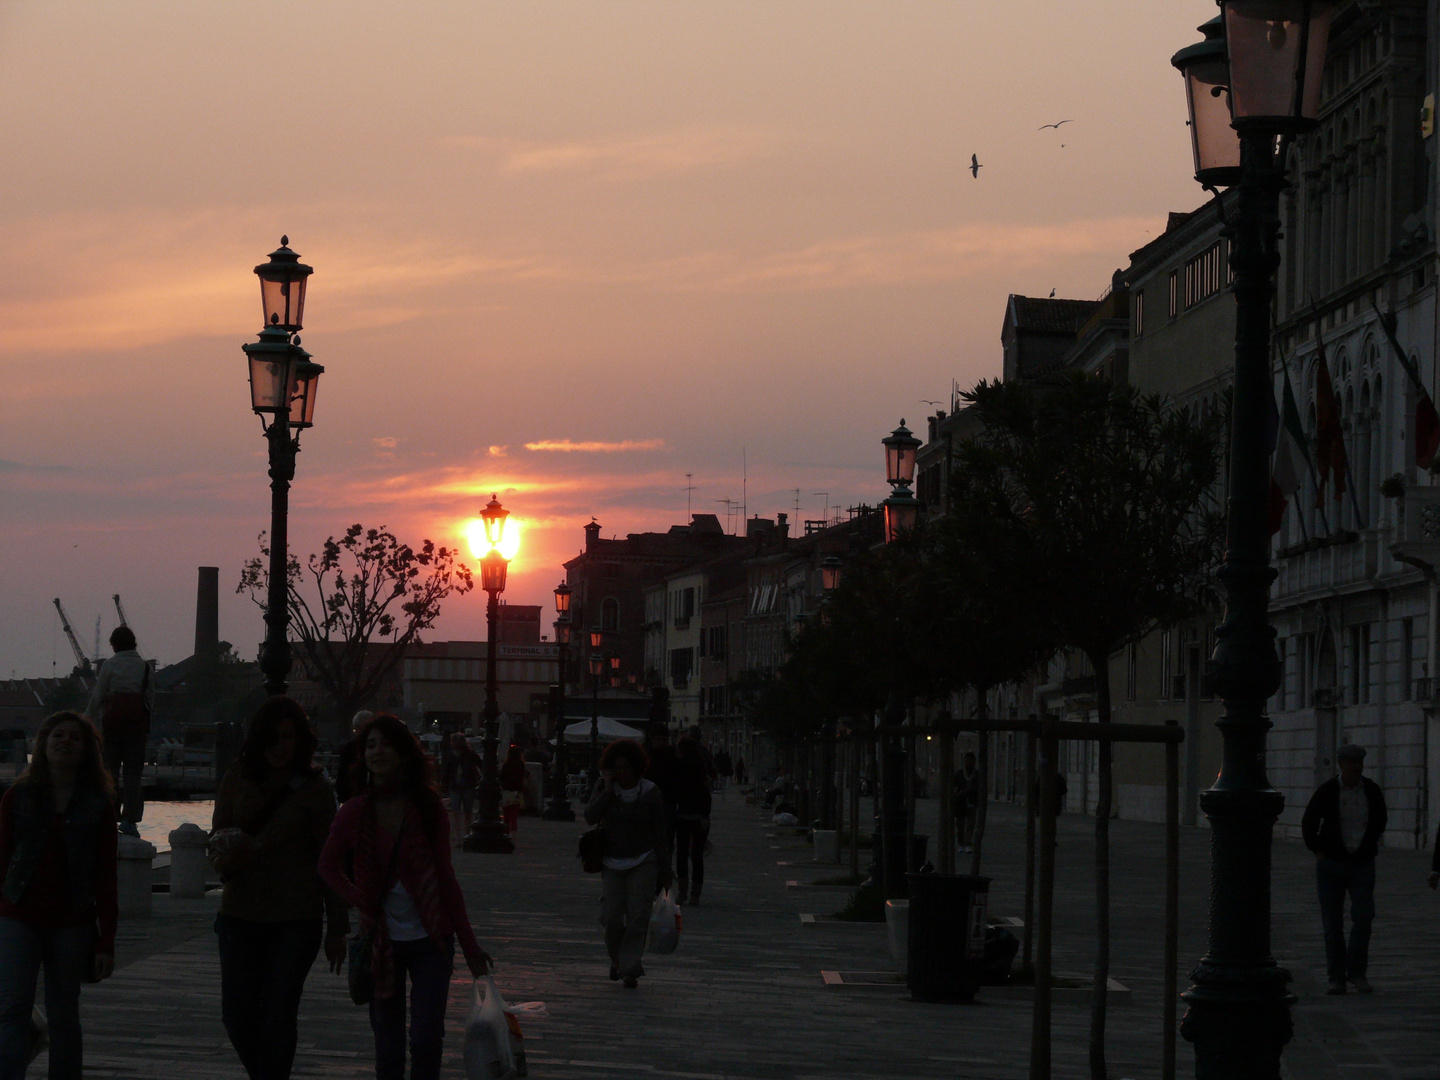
{"type": "Point", "coordinates": [1101, 664]}
{"type": "Point", "coordinates": [983, 775]}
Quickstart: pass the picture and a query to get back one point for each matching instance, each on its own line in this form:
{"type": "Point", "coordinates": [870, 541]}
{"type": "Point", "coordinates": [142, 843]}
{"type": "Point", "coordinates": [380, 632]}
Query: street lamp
{"type": "Point", "coordinates": [1238, 1008]}
{"type": "Point", "coordinates": [487, 833]}
{"type": "Point", "coordinates": [901, 508]}
{"type": "Point", "coordinates": [559, 808]}
{"type": "Point", "coordinates": [283, 385]}
{"type": "Point", "coordinates": [597, 667]}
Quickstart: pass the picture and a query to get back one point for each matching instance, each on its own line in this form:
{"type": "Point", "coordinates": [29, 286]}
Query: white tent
{"type": "Point", "coordinates": [610, 730]}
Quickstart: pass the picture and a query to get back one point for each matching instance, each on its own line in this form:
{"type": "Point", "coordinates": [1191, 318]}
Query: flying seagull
{"type": "Point", "coordinates": [927, 401]}
{"type": "Point", "coordinates": [1042, 127]}
{"type": "Point", "coordinates": [975, 166]}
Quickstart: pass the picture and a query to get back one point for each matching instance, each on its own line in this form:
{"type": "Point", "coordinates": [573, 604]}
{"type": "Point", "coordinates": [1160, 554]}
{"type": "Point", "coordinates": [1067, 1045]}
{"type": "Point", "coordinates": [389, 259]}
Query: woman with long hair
{"type": "Point", "coordinates": [512, 788]}
{"type": "Point", "coordinates": [58, 903]}
{"type": "Point", "coordinates": [637, 853]}
{"type": "Point", "coordinates": [272, 815]}
{"type": "Point", "coordinates": [403, 886]}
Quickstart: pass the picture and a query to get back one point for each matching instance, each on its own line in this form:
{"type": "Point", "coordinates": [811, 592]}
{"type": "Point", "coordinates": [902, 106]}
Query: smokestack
{"type": "Point", "coordinates": [207, 612]}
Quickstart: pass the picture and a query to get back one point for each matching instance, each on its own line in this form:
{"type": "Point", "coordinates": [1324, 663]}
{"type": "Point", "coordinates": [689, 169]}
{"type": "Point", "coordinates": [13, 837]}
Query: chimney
{"type": "Point", "coordinates": [782, 526]}
{"type": "Point", "coordinates": [592, 534]}
{"type": "Point", "coordinates": [207, 611]}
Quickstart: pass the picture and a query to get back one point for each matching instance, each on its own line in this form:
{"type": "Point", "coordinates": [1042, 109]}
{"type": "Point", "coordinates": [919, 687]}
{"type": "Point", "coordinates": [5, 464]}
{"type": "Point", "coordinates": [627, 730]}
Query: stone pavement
{"type": "Point", "coordinates": [743, 996]}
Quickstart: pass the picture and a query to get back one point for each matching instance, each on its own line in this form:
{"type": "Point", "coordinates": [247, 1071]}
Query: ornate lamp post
{"type": "Point", "coordinates": [597, 667]}
{"type": "Point", "coordinates": [559, 808]}
{"type": "Point", "coordinates": [901, 508]}
{"type": "Point", "coordinates": [1263, 87]}
{"type": "Point", "coordinates": [283, 382]}
{"type": "Point", "coordinates": [487, 833]}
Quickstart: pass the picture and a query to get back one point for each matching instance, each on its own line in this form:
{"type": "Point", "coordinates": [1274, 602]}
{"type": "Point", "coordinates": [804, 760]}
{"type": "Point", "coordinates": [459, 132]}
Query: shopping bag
{"type": "Point", "coordinates": [489, 1044]}
{"type": "Point", "coordinates": [664, 925]}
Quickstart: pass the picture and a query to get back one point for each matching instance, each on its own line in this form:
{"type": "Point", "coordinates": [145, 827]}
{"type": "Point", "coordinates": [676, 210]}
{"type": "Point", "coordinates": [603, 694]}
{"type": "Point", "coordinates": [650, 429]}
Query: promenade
{"type": "Point", "coordinates": [744, 997]}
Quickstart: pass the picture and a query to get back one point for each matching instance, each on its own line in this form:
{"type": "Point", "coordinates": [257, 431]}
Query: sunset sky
{"type": "Point", "coordinates": [567, 252]}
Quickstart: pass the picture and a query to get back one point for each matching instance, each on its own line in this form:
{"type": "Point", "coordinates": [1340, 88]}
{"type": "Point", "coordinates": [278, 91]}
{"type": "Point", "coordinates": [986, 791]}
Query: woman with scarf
{"type": "Point", "coordinates": [58, 905]}
{"type": "Point", "coordinates": [404, 888]}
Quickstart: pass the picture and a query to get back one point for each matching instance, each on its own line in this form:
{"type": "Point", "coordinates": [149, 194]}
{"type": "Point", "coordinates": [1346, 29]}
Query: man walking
{"type": "Point", "coordinates": [965, 798]}
{"type": "Point", "coordinates": [1343, 825]}
{"type": "Point", "coordinates": [120, 703]}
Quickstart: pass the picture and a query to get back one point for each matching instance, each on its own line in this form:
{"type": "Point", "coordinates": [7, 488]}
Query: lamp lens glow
{"type": "Point", "coordinates": [480, 546]}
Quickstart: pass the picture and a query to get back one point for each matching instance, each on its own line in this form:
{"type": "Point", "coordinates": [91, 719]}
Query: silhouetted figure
{"type": "Point", "coordinates": [120, 703]}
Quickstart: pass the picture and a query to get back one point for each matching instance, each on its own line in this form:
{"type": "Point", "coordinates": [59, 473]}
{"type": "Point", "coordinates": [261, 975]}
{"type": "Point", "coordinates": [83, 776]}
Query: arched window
{"type": "Point", "coordinates": [610, 614]}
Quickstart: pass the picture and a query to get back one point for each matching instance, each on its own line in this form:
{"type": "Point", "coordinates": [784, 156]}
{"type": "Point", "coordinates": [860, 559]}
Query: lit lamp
{"type": "Point", "coordinates": [831, 569]}
{"type": "Point", "coordinates": [1238, 1008]}
{"type": "Point", "coordinates": [283, 384]}
{"type": "Point", "coordinates": [901, 508]}
{"type": "Point", "coordinates": [487, 833]}
{"type": "Point", "coordinates": [558, 808]}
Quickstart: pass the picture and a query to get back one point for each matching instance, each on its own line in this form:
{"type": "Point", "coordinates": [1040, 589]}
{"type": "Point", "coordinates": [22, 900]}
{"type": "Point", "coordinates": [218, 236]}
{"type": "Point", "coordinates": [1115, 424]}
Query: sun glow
{"type": "Point", "coordinates": [509, 543]}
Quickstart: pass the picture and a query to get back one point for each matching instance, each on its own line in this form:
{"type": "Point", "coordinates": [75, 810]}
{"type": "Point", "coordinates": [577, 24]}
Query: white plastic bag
{"type": "Point", "coordinates": [664, 925]}
{"type": "Point", "coordinates": [489, 1052]}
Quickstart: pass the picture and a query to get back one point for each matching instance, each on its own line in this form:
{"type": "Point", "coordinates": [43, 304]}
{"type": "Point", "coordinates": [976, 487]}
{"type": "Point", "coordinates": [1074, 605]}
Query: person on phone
{"type": "Point", "coordinates": [637, 853]}
{"type": "Point", "coordinates": [403, 886]}
{"type": "Point", "coordinates": [58, 903]}
{"type": "Point", "coordinates": [272, 815]}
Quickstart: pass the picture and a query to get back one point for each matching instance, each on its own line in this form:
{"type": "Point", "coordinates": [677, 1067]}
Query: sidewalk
{"type": "Point", "coordinates": [743, 996]}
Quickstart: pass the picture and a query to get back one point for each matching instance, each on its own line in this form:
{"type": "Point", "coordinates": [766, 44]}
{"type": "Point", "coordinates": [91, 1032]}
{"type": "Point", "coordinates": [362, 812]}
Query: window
{"type": "Point", "coordinates": [1407, 660]}
{"type": "Point", "coordinates": [714, 642]}
{"type": "Point", "coordinates": [682, 606]}
{"type": "Point", "coordinates": [1165, 638]}
{"type": "Point", "coordinates": [1204, 275]}
{"type": "Point", "coordinates": [1359, 664]}
{"type": "Point", "coordinates": [1130, 666]}
{"type": "Point", "coordinates": [1139, 314]}
{"type": "Point", "coordinates": [1174, 293]}
{"type": "Point", "coordinates": [610, 614]}
{"type": "Point", "coordinates": [682, 662]}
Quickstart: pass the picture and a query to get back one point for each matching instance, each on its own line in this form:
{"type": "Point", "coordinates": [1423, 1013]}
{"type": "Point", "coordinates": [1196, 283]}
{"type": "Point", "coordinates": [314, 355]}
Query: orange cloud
{"type": "Point", "coordinates": [568, 447]}
{"type": "Point", "coordinates": [630, 158]}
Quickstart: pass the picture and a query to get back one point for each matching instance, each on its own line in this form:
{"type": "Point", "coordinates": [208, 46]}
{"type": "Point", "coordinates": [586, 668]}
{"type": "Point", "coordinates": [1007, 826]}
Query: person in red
{"type": "Point", "coordinates": [59, 902]}
{"type": "Point", "coordinates": [404, 889]}
{"type": "Point", "coordinates": [512, 788]}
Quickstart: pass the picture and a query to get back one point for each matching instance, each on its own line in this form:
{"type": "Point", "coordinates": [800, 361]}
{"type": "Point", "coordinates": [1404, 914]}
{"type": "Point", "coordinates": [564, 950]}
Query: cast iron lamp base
{"type": "Point", "coordinates": [489, 838]}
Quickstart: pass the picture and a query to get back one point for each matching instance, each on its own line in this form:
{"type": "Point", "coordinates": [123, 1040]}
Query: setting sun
{"type": "Point", "coordinates": [509, 543]}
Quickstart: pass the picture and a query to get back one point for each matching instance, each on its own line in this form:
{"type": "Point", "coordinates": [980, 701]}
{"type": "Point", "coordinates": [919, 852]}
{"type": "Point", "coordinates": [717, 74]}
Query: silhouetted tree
{"type": "Point", "coordinates": [358, 605]}
{"type": "Point", "coordinates": [1111, 486]}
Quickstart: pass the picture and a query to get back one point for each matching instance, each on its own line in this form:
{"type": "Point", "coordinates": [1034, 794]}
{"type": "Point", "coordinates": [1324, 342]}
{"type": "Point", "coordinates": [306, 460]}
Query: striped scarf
{"type": "Point", "coordinates": [414, 866]}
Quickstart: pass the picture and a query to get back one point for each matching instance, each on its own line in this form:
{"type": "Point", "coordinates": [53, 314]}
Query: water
{"type": "Point", "coordinates": [161, 817]}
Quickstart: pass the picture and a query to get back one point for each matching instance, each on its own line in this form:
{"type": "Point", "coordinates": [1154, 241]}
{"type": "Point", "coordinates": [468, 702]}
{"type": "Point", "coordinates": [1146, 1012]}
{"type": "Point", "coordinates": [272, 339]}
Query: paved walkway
{"type": "Point", "coordinates": [743, 996]}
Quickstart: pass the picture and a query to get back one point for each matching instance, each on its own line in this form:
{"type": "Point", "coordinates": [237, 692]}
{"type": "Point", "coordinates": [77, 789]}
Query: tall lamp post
{"type": "Point", "coordinates": [487, 833]}
{"type": "Point", "coordinates": [901, 511]}
{"type": "Point", "coordinates": [597, 668]}
{"type": "Point", "coordinates": [1253, 81]}
{"type": "Point", "coordinates": [283, 382]}
{"type": "Point", "coordinates": [559, 808]}
{"type": "Point", "coordinates": [830, 570]}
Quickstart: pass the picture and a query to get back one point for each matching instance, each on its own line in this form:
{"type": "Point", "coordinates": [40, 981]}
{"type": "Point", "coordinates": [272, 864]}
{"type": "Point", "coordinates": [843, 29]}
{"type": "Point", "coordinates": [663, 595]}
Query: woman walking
{"type": "Point", "coordinates": [636, 853]}
{"type": "Point", "coordinates": [462, 774]}
{"type": "Point", "coordinates": [58, 904]}
{"type": "Point", "coordinates": [512, 788]}
{"type": "Point", "coordinates": [692, 820]}
{"type": "Point", "coordinates": [272, 815]}
{"type": "Point", "coordinates": [404, 889]}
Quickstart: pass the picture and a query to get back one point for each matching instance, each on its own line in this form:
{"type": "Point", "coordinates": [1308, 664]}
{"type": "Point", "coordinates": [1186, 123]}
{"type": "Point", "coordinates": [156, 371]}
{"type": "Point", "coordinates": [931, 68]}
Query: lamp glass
{"type": "Point", "coordinates": [1214, 143]}
{"type": "Point", "coordinates": [494, 516]}
{"type": "Point", "coordinates": [597, 637]}
{"type": "Point", "coordinates": [900, 447]}
{"type": "Point", "coordinates": [271, 381]}
{"type": "Point", "coordinates": [614, 662]}
{"type": "Point", "coordinates": [493, 568]}
{"type": "Point", "coordinates": [830, 571]}
{"type": "Point", "coordinates": [597, 664]}
{"type": "Point", "coordinates": [899, 517]}
{"type": "Point", "coordinates": [562, 599]}
{"type": "Point", "coordinates": [302, 400]}
{"type": "Point", "coordinates": [562, 633]}
{"type": "Point", "coordinates": [1277, 56]}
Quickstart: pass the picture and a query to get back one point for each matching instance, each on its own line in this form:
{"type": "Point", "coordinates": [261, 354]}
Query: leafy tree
{"type": "Point", "coordinates": [358, 605]}
{"type": "Point", "coordinates": [1111, 486]}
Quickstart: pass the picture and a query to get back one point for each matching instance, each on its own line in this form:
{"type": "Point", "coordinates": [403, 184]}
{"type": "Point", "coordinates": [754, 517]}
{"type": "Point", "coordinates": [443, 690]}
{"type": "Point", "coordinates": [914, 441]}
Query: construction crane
{"type": "Point", "coordinates": [121, 611]}
{"type": "Point", "coordinates": [82, 662]}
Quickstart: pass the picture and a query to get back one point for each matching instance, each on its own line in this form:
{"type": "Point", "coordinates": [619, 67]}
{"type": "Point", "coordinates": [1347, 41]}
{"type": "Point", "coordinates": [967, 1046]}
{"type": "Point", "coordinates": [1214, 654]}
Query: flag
{"type": "Point", "coordinates": [1291, 458]}
{"type": "Point", "coordinates": [1329, 438]}
{"type": "Point", "coordinates": [1427, 421]}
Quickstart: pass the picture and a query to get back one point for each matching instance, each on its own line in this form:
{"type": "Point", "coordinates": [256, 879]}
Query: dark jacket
{"type": "Point", "coordinates": [1321, 823]}
{"type": "Point", "coordinates": [692, 784]}
{"type": "Point", "coordinates": [632, 828]}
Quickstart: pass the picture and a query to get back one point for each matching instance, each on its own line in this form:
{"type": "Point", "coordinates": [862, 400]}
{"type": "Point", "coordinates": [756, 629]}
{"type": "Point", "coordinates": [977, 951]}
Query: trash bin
{"type": "Point", "coordinates": [947, 936]}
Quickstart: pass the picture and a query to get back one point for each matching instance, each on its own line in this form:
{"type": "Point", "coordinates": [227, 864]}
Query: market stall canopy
{"type": "Point", "coordinates": [610, 730]}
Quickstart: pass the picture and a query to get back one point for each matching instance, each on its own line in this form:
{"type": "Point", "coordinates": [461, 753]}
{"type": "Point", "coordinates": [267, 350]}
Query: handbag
{"type": "Point", "coordinates": [592, 850]}
{"type": "Point", "coordinates": [359, 947]}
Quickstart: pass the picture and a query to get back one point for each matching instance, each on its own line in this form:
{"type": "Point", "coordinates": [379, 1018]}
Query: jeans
{"type": "Point", "coordinates": [126, 752]}
{"type": "Point", "coordinates": [690, 847]}
{"type": "Point", "coordinates": [429, 965]}
{"type": "Point", "coordinates": [64, 953]}
{"type": "Point", "coordinates": [628, 898]}
{"type": "Point", "coordinates": [1333, 880]}
{"type": "Point", "coordinates": [262, 974]}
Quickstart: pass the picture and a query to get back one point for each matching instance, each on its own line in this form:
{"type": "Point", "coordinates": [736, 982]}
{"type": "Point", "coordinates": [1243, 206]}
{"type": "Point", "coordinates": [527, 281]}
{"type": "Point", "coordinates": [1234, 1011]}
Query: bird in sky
{"type": "Point", "coordinates": [975, 166]}
{"type": "Point", "coordinates": [927, 401]}
{"type": "Point", "coordinates": [1056, 125]}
